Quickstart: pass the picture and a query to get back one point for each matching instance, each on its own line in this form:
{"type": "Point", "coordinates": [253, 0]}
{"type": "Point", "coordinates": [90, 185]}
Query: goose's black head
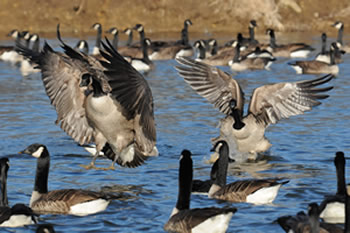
{"type": "Point", "coordinates": [113, 31]}
{"type": "Point", "coordinates": [14, 33]}
{"type": "Point", "coordinates": [339, 158]}
{"type": "Point", "coordinates": [253, 24]}
{"type": "Point", "coordinates": [269, 31]}
{"type": "Point", "coordinates": [86, 80]}
{"type": "Point", "coordinates": [127, 31]}
{"type": "Point", "coordinates": [36, 150]}
{"type": "Point", "coordinates": [188, 22]}
{"type": "Point", "coordinates": [139, 27]}
{"type": "Point", "coordinates": [324, 36]}
{"type": "Point", "coordinates": [26, 35]}
{"type": "Point", "coordinates": [4, 164]}
{"type": "Point", "coordinates": [185, 154]}
{"type": "Point", "coordinates": [96, 26]}
{"type": "Point", "coordinates": [338, 24]}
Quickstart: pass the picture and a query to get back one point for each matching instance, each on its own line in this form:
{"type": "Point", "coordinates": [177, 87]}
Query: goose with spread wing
{"type": "Point", "coordinates": [106, 102]}
{"type": "Point", "coordinates": [269, 104]}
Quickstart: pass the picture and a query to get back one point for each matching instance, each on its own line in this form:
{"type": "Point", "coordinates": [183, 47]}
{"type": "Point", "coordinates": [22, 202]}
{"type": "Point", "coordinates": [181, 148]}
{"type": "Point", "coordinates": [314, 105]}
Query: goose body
{"type": "Point", "coordinates": [269, 104]}
{"type": "Point", "coordinates": [184, 219]}
{"type": "Point", "coordinates": [256, 191]}
{"type": "Point", "coordinates": [332, 209]}
{"type": "Point", "coordinates": [64, 201]}
{"type": "Point", "coordinates": [27, 67]}
{"type": "Point", "coordinates": [94, 90]}
{"type": "Point", "coordinates": [8, 53]}
{"type": "Point", "coordinates": [287, 50]}
{"type": "Point", "coordinates": [317, 67]}
{"type": "Point", "coordinates": [18, 215]}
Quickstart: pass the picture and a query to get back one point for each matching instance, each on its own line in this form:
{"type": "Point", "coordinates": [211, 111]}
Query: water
{"type": "Point", "coordinates": [303, 151]}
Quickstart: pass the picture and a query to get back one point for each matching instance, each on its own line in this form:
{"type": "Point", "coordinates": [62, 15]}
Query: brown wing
{"type": "Point", "coordinates": [271, 103]}
{"type": "Point", "coordinates": [132, 91]}
{"type": "Point", "coordinates": [185, 220]}
{"type": "Point", "coordinates": [211, 83]}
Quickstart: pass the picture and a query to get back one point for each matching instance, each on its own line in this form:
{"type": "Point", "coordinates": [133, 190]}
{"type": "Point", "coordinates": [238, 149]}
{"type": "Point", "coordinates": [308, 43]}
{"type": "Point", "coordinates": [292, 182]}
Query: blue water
{"type": "Point", "coordinates": [303, 150]}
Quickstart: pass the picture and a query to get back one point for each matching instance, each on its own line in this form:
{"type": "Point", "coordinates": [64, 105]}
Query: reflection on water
{"type": "Point", "coordinates": [302, 151]}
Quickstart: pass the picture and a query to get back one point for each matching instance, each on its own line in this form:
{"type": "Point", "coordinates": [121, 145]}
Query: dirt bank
{"type": "Point", "coordinates": [77, 16]}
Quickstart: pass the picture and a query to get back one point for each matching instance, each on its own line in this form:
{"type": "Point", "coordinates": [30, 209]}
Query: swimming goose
{"type": "Point", "coordinates": [302, 223]}
{"type": "Point", "coordinates": [97, 47]}
{"type": "Point", "coordinates": [63, 201]}
{"type": "Point", "coordinates": [251, 40]}
{"type": "Point", "coordinates": [252, 63]}
{"type": "Point", "coordinates": [287, 50]}
{"type": "Point", "coordinates": [143, 64]}
{"type": "Point", "coordinates": [27, 67]}
{"type": "Point", "coordinates": [129, 50]}
{"type": "Point", "coordinates": [317, 67]}
{"type": "Point", "coordinates": [18, 215]}
{"type": "Point", "coordinates": [269, 104]}
{"type": "Point", "coordinates": [114, 31]}
{"type": "Point", "coordinates": [202, 187]}
{"type": "Point", "coordinates": [106, 103]}
{"type": "Point", "coordinates": [324, 55]}
{"type": "Point", "coordinates": [340, 26]}
{"type": "Point", "coordinates": [256, 191]}
{"type": "Point", "coordinates": [332, 209]}
{"type": "Point", "coordinates": [82, 46]}
{"type": "Point", "coordinates": [8, 53]}
{"type": "Point", "coordinates": [186, 220]}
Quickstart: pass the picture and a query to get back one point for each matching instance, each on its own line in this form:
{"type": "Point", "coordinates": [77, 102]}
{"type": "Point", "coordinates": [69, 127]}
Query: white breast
{"type": "Point", "coordinates": [140, 65]}
{"type": "Point", "coordinates": [334, 213]}
{"type": "Point", "coordinates": [217, 224]}
{"type": "Point", "coordinates": [264, 195]}
{"type": "Point", "coordinates": [90, 207]}
{"type": "Point", "coordinates": [17, 221]}
{"type": "Point", "coordinates": [300, 53]}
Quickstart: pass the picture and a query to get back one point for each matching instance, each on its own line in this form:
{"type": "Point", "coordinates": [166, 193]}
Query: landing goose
{"type": "Point", "coordinates": [114, 31]}
{"type": "Point", "coordinates": [202, 187]}
{"type": "Point", "coordinates": [143, 64]}
{"type": "Point", "coordinates": [239, 63]}
{"type": "Point", "coordinates": [269, 104]}
{"type": "Point", "coordinates": [287, 50]}
{"type": "Point", "coordinates": [340, 26]}
{"type": "Point", "coordinates": [256, 191]}
{"type": "Point", "coordinates": [317, 67]}
{"type": "Point", "coordinates": [106, 103]}
{"type": "Point", "coordinates": [324, 55]}
{"type": "Point", "coordinates": [63, 201]}
{"type": "Point", "coordinates": [27, 67]}
{"type": "Point", "coordinates": [332, 209]}
{"type": "Point", "coordinates": [18, 215]}
{"type": "Point", "coordinates": [186, 220]}
{"type": "Point", "coordinates": [302, 223]}
{"type": "Point", "coordinates": [97, 47]}
{"type": "Point", "coordinates": [82, 46]}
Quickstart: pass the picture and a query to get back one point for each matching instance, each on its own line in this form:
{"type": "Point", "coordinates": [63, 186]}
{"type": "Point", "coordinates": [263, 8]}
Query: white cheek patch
{"type": "Point", "coordinates": [38, 152]}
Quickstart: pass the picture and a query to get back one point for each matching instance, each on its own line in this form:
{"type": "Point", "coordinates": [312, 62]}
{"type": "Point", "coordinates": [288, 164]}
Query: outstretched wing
{"type": "Point", "coordinates": [271, 103]}
{"type": "Point", "coordinates": [211, 83]}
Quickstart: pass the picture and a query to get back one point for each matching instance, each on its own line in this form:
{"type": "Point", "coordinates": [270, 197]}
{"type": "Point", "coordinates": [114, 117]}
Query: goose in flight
{"type": "Point", "coordinates": [269, 104]}
{"type": "Point", "coordinates": [105, 102]}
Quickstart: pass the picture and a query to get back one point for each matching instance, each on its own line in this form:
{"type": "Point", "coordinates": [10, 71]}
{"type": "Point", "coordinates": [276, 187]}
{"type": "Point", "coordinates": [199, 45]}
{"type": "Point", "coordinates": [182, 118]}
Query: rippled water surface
{"type": "Point", "coordinates": [303, 150]}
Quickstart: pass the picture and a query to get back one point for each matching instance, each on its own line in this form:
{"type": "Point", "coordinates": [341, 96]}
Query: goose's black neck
{"type": "Point", "coordinates": [145, 52]}
{"type": "Point", "coordinates": [3, 199]}
{"type": "Point", "coordinates": [129, 41]}
{"type": "Point", "coordinates": [340, 35]}
{"type": "Point", "coordinates": [185, 183]}
{"type": "Point", "coordinates": [222, 164]}
{"type": "Point", "coordinates": [36, 45]}
{"type": "Point", "coordinates": [214, 170]}
{"type": "Point", "coordinates": [42, 172]}
{"type": "Point", "coordinates": [115, 41]}
{"type": "Point", "coordinates": [97, 88]}
{"type": "Point", "coordinates": [314, 218]}
{"type": "Point", "coordinates": [339, 163]}
{"type": "Point", "coordinates": [237, 53]}
{"type": "Point", "coordinates": [332, 55]}
{"type": "Point", "coordinates": [237, 116]}
{"type": "Point", "coordinates": [324, 43]}
{"type": "Point", "coordinates": [214, 50]}
{"type": "Point", "coordinates": [201, 52]}
{"type": "Point", "coordinates": [251, 34]}
{"type": "Point", "coordinates": [184, 37]}
{"type": "Point", "coordinates": [142, 36]}
{"type": "Point", "coordinates": [98, 37]}
{"type": "Point", "coordinates": [272, 39]}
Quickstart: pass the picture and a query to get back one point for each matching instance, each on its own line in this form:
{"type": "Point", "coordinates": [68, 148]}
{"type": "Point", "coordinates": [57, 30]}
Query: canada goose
{"type": "Point", "coordinates": [251, 40]}
{"type": "Point", "coordinates": [63, 201]}
{"type": "Point", "coordinates": [128, 32]}
{"type": "Point", "coordinates": [340, 26]}
{"type": "Point", "coordinates": [82, 46]}
{"type": "Point", "coordinates": [114, 31]}
{"type": "Point", "coordinates": [202, 187]}
{"type": "Point", "coordinates": [45, 228]}
{"type": "Point", "coordinates": [107, 103]}
{"type": "Point", "coordinates": [287, 50]}
{"type": "Point", "coordinates": [97, 47]}
{"type": "Point", "coordinates": [317, 67]}
{"type": "Point", "coordinates": [129, 50]}
{"type": "Point", "coordinates": [135, 50]}
{"type": "Point", "coordinates": [269, 104]}
{"type": "Point", "coordinates": [324, 55]}
{"type": "Point", "coordinates": [302, 223]}
{"type": "Point", "coordinates": [143, 64]}
{"type": "Point", "coordinates": [27, 67]}
{"type": "Point", "coordinates": [256, 191]}
{"type": "Point", "coordinates": [332, 209]}
{"type": "Point", "coordinates": [186, 220]}
{"type": "Point", "coordinates": [18, 215]}
{"type": "Point", "coordinates": [252, 63]}
{"type": "Point", "coordinates": [8, 53]}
